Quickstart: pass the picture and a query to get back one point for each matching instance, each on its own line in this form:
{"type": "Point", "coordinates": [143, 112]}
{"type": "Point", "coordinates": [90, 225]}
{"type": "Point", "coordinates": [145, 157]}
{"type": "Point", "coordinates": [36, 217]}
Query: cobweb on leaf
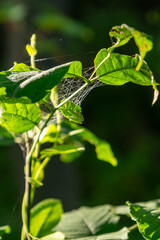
{"type": "Point", "coordinates": [68, 86]}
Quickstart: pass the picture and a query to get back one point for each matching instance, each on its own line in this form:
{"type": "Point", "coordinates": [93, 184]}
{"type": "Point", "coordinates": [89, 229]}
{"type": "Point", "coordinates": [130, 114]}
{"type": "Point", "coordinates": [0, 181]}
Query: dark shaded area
{"type": "Point", "coordinates": [70, 30]}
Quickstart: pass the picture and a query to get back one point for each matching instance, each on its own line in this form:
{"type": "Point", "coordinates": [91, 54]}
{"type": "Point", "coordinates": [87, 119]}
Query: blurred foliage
{"type": "Point", "coordinates": [123, 116]}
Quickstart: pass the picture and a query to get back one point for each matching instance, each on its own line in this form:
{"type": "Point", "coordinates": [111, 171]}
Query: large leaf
{"type": "Point", "coordinates": [117, 69]}
{"type": "Point", "coordinates": [88, 222]}
{"type": "Point", "coordinates": [32, 84]}
{"type": "Point", "coordinates": [61, 149]}
{"type": "Point", "coordinates": [72, 111]}
{"type": "Point", "coordinates": [148, 221]}
{"type": "Point", "coordinates": [54, 236]}
{"type": "Point", "coordinates": [45, 216]}
{"type": "Point", "coordinates": [19, 118]}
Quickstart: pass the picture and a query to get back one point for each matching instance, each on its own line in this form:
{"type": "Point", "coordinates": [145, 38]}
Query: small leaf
{"type": "Point", "coordinates": [72, 111]}
{"type": "Point", "coordinates": [5, 229]}
{"type": "Point", "coordinates": [74, 70]}
{"type": "Point", "coordinates": [122, 34]}
{"type": "Point", "coordinates": [45, 216]}
{"type": "Point", "coordinates": [21, 67]}
{"type": "Point", "coordinates": [54, 236]}
{"type": "Point", "coordinates": [119, 69]}
{"type": "Point", "coordinates": [61, 149]}
{"type": "Point", "coordinates": [19, 118]}
{"type": "Point", "coordinates": [70, 157]}
{"type": "Point", "coordinates": [104, 153]}
{"type": "Point", "coordinates": [148, 221]}
{"type": "Point", "coordinates": [103, 148]}
{"type": "Point", "coordinates": [31, 50]}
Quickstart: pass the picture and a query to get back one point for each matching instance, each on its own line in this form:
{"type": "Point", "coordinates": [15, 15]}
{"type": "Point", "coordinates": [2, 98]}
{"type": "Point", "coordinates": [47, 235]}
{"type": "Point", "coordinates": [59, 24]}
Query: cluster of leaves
{"type": "Point", "coordinates": [23, 92]}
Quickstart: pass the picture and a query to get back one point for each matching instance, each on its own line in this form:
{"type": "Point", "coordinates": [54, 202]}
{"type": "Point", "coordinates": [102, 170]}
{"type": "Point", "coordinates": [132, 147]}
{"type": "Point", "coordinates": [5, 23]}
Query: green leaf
{"type": "Point", "coordinates": [4, 133]}
{"type": "Point", "coordinates": [21, 67]}
{"type": "Point", "coordinates": [122, 35]}
{"type": "Point", "coordinates": [54, 236]}
{"type": "Point", "coordinates": [104, 153]}
{"type": "Point", "coordinates": [61, 149]}
{"type": "Point", "coordinates": [19, 118]}
{"type": "Point", "coordinates": [45, 216]}
{"type": "Point", "coordinates": [75, 69]}
{"type": "Point", "coordinates": [91, 223]}
{"type": "Point", "coordinates": [6, 137]}
{"type": "Point", "coordinates": [34, 84]}
{"type": "Point", "coordinates": [103, 148]}
{"type": "Point", "coordinates": [70, 157]}
{"type": "Point", "coordinates": [148, 221]}
{"type": "Point", "coordinates": [4, 229]}
{"type": "Point", "coordinates": [72, 111]}
{"type": "Point", "coordinates": [117, 69]}
{"type": "Point", "coordinates": [49, 134]}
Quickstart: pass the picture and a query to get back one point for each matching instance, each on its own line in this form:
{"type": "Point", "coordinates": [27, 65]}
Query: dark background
{"type": "Point", "coordinates": [123, 116]}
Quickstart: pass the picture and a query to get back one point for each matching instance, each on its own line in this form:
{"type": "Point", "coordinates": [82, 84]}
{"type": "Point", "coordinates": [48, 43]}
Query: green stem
{"type": "Point", "coordinates": [54, 99]}
{"type": "Point", "coordinates": [42, 166]}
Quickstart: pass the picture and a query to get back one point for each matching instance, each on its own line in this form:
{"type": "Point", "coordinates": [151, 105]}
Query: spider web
{"type": "Point", "coordinates": [70, 85]}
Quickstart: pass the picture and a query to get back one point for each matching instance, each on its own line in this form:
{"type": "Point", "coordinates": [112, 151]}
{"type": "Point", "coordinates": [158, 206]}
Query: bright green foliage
{"type": "Point", "coordinates": [117, 69]}
{"type": "Point", "coordinates": [91, 223]}
{"type": "Point", "coordinates": [19, 117]}
{"type": "Point", "coordinates": [33, 85]}
{"type": "Point", "coordinates": [72, 111]}
{"type": "Point", "coordinates": [124, 33]}
{"type": "Point", "coordinates": [148, 221]}
{"type": "Point", "coordinates": [61, 149]}
{"type": "Point", "coordinates": [24, 92]}
{"type": "Point", "coordinates": [54, 236]}
{"type": "Point", "coordinates": [21, 67]}
{"type": "Point", "coordinates": [74, 70]}
{"type": "Point", "coordinates": [4, 230]}
{"type": "Point", "coordinates": [104, 153]}
{"type": "Point", "coordinates": [45, 216]}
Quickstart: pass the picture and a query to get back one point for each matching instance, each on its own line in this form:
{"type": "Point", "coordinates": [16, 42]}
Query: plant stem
{"type": "Point", "coordinates": [133, 227]}
{"type": "Point", "coordinates": [54, 99]}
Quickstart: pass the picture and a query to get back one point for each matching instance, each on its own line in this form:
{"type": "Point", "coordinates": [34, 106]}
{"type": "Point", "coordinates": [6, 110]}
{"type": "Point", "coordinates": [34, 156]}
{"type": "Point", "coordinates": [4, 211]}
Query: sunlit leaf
{"type": "Point", "coordinates": [75, 69]}
{"type": "Point", "coordinates": [45, 216]}
{"type": "Point", "coordinates": [121, 34]}
{"type": "Point", "coordinates": [148, 220]}
{"type": "Point", "coordinates": [72, 111]}
{"type": "Point", "coordinates": [34, 84]}
{"type": "Point", "coordinates": [119, 69]}
{"type": "Point", "coordinates": [4, 230]}
{"type": "Point", "coordinates": [104, 153]}
{"type": "Point", "coordinates": [61, 149]}
{"type": "Point", "coordinates": [21, 67]}
{"type": "Point", "coordinates": [54, 236]}
{"type": "Point", "coordinates": [19, 118]}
